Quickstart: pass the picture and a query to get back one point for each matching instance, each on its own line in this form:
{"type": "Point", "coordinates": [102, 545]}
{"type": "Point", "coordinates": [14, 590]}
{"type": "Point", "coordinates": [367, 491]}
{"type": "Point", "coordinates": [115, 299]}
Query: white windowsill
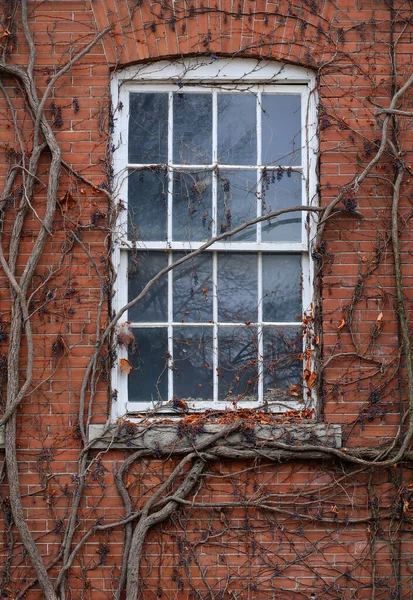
{"type": "Point", "coordinates": [163, 436]}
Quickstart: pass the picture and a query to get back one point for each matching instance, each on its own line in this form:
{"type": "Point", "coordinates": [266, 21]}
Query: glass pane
{"type": "Point", "coordinates": [154, 305]}
{"type": "Point", "coordinates": [192, 206]}
{"type": "Point", "coordinates": [237, 287]}
{"type": "Point", "coordinates": [237, 202]}
{"type": "Point", "coordinates": [237, 129]}
{"type": "Point", "coordinates": [193, 362]}
{"type": "Point", "coordinates": [281, 189]}
{"type": "Point", "coordinates": [192, 137]}
{"type": "Point", "coordinates": [281, 129]}
{"type": "Point", "coordinates": [147, 204]}
{"type": "Point", "coordinates": [193, 289]}
{"type": "Point", "coordinates": [281, 286]}
{"type": "Point", "coordinates": [148, 128]}
{"type": "Point", "coordinates": [282, 365]}
{"type": "Point", "coordinates": [237, 363]}
{"type": "Point", "coordinates": [148, 380]}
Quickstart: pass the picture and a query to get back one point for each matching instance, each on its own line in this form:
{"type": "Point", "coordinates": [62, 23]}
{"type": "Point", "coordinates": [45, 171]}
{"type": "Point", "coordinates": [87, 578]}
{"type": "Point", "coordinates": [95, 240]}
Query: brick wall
{"type": "Point", "coordinates": [330, 530]}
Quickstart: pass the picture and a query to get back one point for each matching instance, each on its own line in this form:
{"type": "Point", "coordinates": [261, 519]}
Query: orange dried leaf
{"type": "Point", "coordinates": [311, 380]}
{"type": "Point", "coordinates": [342, 324]}
{"type": "Point", "coordinates": [125, 366]}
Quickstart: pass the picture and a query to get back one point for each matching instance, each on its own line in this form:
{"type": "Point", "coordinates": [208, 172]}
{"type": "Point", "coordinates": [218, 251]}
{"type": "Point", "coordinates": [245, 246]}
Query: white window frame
{"type": "Point", "coordinates": [204, 72]}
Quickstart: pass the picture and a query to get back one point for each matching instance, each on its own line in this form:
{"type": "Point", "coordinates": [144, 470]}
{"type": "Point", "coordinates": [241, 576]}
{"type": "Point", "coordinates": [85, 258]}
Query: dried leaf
{"type": "Point", "coordinates": [311, 380]}
{"type": "Point", "coordinates": [125, 366]}
{"type": "Point", "coordinates": [380, 317]}
{"type": "Point", "coordinates": [67, 201]}
{"type": "Point", "coordinates": [342, 324]}
{"type": "Point", "coordinates": [124, 334]}
{"type": "Point", "coordinates": [295, 390]}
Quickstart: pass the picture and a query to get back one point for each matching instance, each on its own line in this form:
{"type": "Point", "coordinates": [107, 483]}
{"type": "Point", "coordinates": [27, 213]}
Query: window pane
{"type": "Point", "coordinates": [148, 380]}
{"type": "Point", "coordinates": [237, 363]}
{"type": "Point", "coordinates": [281, 189]}
{"type": "Point", "coordinates": [237, 287]}
{"type": "Point", "coordinates": [282, 365]}
{"type": "Point", "coordinates": [237, 129]}
{"type": "Point", "coordinates": [154, 306]}
{"type": "Point", "coordinates": [193, 361]}
{"type": "Point", "coordinates": [192, 137]}
{"type": "Point", "coordinates": [148, 128]}
{"type": "Point", "coordinates": [281, 286]}
{"type": "Point", "coordinates": [281, 129]}
{"type": "Point", "coordinates": [147, 204]}
{"type": "Point", "coordinates": [192, 206]}
{"type": "Point", "coordinates": [193, 289]}
{"type": "Point", "coordinates": [237, 202]}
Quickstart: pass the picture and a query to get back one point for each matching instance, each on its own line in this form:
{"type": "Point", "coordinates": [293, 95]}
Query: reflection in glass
{"type": "Point", "coordinates": [147, 204]}
{"type": "Point", "coordinates": [237, 129]}
{"type": "Point", "coordinates": [237, 287]}
{"type": "Point", "coordinates": [281, 129]}
{"type": "Point", "coordinates": [192, 131]}
{"type": "Point", "coordinates": [154, 305]}
{"type": "Point", "coordinates": [193, 363]}
{"type": "Point", "coordinates": [282, 365]}
{"type": "Point", "coordinates": [148, 380]}
{"type": "Point", "coordinates": [148, 128]}
{"type": "Point", "coordinates": [237, 202]}
{"type": "Point", "coordinates": [237, 363]}
{"type": "Point", "coordinates": [281, 286]}
{"type": "Point", "coordinates": [281, 189]}
{"type": "Point", "coordinates": [192, 206]}
{"type": "Point", "coordinates": [193, 289]}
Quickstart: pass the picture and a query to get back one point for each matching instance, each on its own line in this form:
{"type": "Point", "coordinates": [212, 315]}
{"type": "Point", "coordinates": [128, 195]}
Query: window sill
{"type": "Point", "coordinates": [161, 438]}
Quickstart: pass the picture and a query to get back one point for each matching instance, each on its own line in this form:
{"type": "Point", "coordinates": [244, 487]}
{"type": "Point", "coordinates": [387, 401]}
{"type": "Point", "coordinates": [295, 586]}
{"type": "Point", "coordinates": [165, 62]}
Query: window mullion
{"type": "Point", "coordinates": [170, 157]}
{"type": "Point", "coordinates": [259, 160]}
{"type": "Point", "coordinates": [214, 233]}
{"type": "Point", "coordinates": [259, 257]}
{"type": "Point", "coordinates": [260, 332]}
{"type": "Point", "coordinates": [215, 327]}
{"type": "Point", "coordinates": [170, 255]}
{"type": "Point", "coordinates": [170, 330]}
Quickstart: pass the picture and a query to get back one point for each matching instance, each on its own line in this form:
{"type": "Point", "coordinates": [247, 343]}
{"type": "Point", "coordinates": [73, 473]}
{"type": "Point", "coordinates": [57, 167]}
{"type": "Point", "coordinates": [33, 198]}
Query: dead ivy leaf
{"type": "Point", "coordinates": [311, 380]}
{"type": "Point", "coordinates": [334, 509]}
{"type": "Point", "coordinates": [295, 390]}
{"type": "Point", "coordinates": [380, 317]}
{"type": "Point", "coordinates": [67, 201]}
{"type": "Point", "coordinates": [124, 334]}
{"type": "Point", "coordinates": [342, 324]}
{"type": "Point", "coordinates": [125, 366]}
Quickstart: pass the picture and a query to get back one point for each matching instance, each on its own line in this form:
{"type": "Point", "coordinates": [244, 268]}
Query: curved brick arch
{"type": "Point", "coordinates": [279, 30]}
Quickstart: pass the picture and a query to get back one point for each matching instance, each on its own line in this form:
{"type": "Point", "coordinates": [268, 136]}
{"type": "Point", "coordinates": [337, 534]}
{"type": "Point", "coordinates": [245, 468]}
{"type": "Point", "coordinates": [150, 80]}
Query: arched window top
{"type": "Point", "coordinates": [219, 69]}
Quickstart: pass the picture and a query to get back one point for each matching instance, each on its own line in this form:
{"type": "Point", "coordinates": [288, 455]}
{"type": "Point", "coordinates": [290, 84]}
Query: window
{"type": "Point", "coordinates": [201, 147]}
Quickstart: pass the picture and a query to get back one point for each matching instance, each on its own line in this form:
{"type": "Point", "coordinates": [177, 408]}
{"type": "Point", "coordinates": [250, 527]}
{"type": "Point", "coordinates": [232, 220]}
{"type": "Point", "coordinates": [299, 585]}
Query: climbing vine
{"type": "Point", "coordinates": [238, 504]}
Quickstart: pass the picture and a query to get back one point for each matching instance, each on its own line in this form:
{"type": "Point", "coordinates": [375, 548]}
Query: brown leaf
{"type": "Point", "coordinates": [342, 324]}
{"type": "Point", "coordinates": [125, 366]}
{"type": "Point", "coordinates": [311, 380]}
{"type": "Point", "coordinates": [125, 335]}
{"type": "Point", "coordinates": [67, 201]}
